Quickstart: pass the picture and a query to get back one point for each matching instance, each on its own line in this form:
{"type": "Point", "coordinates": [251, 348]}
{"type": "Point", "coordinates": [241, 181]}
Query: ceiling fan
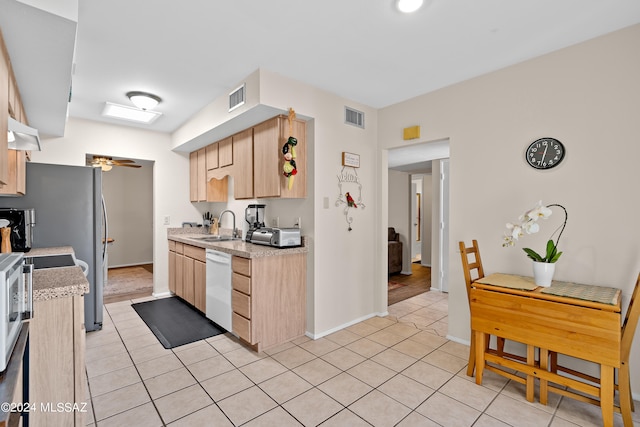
{"type": "Point", "coordinates": [106, 163]}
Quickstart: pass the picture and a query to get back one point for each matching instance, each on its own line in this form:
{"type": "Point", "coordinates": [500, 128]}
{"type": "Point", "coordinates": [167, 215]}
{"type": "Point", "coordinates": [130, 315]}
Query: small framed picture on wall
{"type": "Point", "coordinates": [350, 159]}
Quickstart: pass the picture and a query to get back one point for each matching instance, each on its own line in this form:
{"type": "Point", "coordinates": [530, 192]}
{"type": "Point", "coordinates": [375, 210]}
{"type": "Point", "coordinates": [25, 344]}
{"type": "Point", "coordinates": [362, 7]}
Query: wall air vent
{"type": "Point", "coordinates": [353, 117]}
{"type": "Point", "coordinates": [237, 97]}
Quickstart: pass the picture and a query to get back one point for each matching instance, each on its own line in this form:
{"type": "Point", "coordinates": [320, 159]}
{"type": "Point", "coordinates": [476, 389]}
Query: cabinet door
{"type": "Point", "coordinates": [180, 275]}
{"type": "Point", "coordinates": [200, 280]}
{"type": "Point", "coordinates": [4, 112]}
{"type": "Point", "coordinates": [266, 158]}
{"type": "Point", "coordinates": [202, 175]}
{"type": "Point", "coordinates": [299, 186]}
{"type": "Point", "coordinates": [172, 271]}
{"type": "Point", "coordinates": [225, 152]}
{"type": "Point", "coordinates": [193, 176]}
{"type": "Point", "coordinates": [16, 181]}
{"type": "Point", "coordinates": [212, 156]}
{"type": "Point", "coordinates": [243, 164]}
{"type": "Point", "coordinates": [51, 360]}
{"type": "Point", "coordinates": [188, 271]}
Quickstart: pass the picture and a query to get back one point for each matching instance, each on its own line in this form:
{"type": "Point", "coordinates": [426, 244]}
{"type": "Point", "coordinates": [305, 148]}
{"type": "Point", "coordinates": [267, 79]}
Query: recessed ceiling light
{"type": "Point", "coordinates": [408, 6]}
{"type": "Point", "coordinates": [129, 113]}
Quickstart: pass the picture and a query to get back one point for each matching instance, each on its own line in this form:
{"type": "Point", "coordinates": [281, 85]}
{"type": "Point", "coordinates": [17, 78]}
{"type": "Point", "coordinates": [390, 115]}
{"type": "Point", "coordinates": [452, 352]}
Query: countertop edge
{"type": "Point", "coordinates": [60, 282]}
{"type": "Point", "coordinates": [237, 247]}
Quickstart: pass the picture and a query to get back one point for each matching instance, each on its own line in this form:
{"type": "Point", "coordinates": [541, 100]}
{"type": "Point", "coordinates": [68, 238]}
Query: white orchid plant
{"type": "Point", "coordinates": [528, 224]}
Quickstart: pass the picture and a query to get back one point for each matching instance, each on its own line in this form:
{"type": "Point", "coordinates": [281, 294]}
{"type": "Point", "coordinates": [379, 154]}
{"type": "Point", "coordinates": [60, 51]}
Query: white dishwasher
{"type": "Point", "coordinates": [218, 306]}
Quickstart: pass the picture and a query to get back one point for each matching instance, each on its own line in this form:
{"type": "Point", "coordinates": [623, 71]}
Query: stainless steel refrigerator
{"type": "Point", "coordinates": [69, 211]}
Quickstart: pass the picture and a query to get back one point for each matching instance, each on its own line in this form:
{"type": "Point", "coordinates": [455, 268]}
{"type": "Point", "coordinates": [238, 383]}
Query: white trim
{"type": "Point", "coordinates": [161, 294]}
{"type": "Point", "coordinates": [130, 265]}
{"type": "Point", "coordinates": [458, 340]}
{"type": "Point", "coordinates": [345, 325]}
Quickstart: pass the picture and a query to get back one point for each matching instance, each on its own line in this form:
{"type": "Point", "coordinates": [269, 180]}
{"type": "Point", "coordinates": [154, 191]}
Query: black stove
{"type": "Point", "coordinates": [50, 261]}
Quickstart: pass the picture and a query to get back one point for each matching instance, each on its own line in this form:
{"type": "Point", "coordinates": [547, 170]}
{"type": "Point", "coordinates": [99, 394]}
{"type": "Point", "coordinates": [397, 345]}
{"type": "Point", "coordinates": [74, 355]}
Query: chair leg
{"type": "Point", "coordinates": [626, 400]}
{"type": "Point", "coordinates": [500, 346]}
{"type": "Point", "coordinates": [544, 384]}
{"type": "Point", "coordinates": [554, 362]}
{"type": "Point", "coordinates": [472, 355]}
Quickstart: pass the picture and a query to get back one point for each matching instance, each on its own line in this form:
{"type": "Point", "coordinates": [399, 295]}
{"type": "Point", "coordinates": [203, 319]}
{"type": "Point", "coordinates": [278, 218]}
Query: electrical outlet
{"type": "Point", "coordinates": [298, 222]}
{"type": "Point", "coordinates": [167, 220]}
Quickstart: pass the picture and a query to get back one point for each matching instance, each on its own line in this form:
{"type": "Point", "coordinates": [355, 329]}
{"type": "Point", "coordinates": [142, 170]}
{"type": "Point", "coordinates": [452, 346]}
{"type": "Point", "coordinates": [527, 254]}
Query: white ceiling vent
{"type": "Point", "coordinates": [237, 97]}
{"type": "Point", "coordinates": [353, 117]}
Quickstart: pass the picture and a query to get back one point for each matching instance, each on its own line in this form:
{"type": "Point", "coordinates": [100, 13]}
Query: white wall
{"type": "Point", "coordinates": [399, 209]}
{"type": "Point", "coordinates": [341, 285]}
{"type": "Point", "coordinates": [427, 218]}
{"type": "Point", "coordinates": [128, 194]}
{"type": "Point", "coordinates": [170, 174]}
{"type": "Point", "coordinates": [344, 282]}
{"type": "Point", "coordinates": [587, 97]}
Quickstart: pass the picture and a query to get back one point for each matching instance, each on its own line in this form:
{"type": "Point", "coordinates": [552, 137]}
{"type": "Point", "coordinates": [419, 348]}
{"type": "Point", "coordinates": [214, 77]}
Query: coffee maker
{"type": "Point", "coordinates": [254, 215]}
{"type": "Point", "coordinates": [21, 222]}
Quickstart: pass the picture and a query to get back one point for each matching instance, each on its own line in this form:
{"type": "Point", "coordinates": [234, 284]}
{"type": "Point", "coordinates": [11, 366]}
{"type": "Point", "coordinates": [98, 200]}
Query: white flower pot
{"type": "Point", "coordinates": [543, 273]}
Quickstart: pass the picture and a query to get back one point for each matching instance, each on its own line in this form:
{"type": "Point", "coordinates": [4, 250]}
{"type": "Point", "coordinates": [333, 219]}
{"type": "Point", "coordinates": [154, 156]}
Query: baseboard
{"type": "Point", "coordinates": [130, 265]}
{"type": "Point", "coordinates": [344, 325]}
{"type": "Point", "coordinates": [425, 265]}
{"type": "Point", "coordinates": [406, 273]}
{"type": "Point", "coordinates": [160, 294]}
{"type": "Point", "coordinates": [458, 340]}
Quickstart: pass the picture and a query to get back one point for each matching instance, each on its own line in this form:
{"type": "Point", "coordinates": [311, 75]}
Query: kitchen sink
{"type": "Point", "coordinates": [216, 238]}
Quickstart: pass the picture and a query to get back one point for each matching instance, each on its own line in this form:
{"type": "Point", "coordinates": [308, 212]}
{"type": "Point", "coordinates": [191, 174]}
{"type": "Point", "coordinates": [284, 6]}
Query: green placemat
{"type": "Point", "coordinates": [509, 281]}
{"type": "Point", "coordinates": [599, 294]}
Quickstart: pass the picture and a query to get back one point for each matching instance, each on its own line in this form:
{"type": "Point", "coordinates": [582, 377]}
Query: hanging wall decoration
{"type": "Point", "coordinates": [289, 151]}
{"type": "Point", "coordinates": [348, 177]}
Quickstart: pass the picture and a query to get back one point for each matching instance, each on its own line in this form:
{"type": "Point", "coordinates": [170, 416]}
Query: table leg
{"type": "Point", "coordinates": [481, 338]}
{"type": "Point", "coordinates": [531, 380]}
{"type": "Point", "coordinates": [544, 384]}
{"type": "Point", "coordinates": [606, 394]}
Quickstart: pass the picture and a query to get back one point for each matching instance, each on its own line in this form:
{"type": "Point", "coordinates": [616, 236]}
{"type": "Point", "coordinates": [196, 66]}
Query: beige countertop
{"type": "Point", "coordinates": [234, 247]}
{"type": "Point", "coordinates": [51, 283]}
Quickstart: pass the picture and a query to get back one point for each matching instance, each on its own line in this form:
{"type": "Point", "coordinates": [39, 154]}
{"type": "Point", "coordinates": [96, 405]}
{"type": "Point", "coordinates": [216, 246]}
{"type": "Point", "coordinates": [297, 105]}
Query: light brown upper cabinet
{"type": "Point", "coordinates": [5, 66]}
{"type": "Point", "coordinates": [255, 160]}
{"type": "Point", "coordinates": [243, 164]}
{"type": "Point", "coordinates": [268, 159]}
{"type": "Point", "coordinates": [212, 156]}
{"type": "Point", "coordinates": [225, 152]}
{"type": "Point", "coordinates": [198, 176]}
{"type": "Point", "coordinates": [13, 163]}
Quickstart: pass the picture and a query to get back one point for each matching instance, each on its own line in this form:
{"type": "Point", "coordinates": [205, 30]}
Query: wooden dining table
{"type": "Point", "coordinates": [577, 320]}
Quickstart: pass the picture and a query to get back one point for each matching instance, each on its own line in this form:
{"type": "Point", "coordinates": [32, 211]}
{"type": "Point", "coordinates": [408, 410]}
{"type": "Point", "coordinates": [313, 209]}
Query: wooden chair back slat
{"type": "Point", "coordinates": [469, 266]}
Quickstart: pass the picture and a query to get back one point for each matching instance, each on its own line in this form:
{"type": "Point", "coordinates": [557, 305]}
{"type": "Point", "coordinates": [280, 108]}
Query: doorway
{"type": "Point", "coordinates": [426, 159]}
{"type": "Point", "coordinates": [127, 187]}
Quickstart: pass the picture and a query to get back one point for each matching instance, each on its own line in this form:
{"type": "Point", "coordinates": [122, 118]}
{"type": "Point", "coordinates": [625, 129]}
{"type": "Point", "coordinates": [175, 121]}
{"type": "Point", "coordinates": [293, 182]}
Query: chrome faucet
{"type": "Point", "coordinates": [235, 234]}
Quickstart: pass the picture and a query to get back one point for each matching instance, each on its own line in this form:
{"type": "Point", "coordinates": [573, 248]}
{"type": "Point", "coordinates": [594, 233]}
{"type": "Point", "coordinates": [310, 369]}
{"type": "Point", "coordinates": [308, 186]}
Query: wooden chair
{"type": "Point", "coordinates": [469, 277]}
{"type": "Point", "coordinates": [473, 271]}
{"type": "Point", "coordinates": [624, 381]}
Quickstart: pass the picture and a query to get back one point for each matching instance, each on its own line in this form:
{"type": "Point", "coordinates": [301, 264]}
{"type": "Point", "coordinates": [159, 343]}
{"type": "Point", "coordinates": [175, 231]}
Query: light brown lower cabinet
{"type": "Point", "coordinates": [269, 299]}
{"type": "Point", "coordinates": [57, 378]}
{"type": "Point", "coordinates": [187, 273]}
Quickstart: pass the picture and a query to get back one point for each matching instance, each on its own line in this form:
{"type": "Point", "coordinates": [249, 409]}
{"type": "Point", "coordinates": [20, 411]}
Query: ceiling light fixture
{"type": "Point", "coordinates": [408, 6]}
{"type": "Point", "coordinates": [143, 100]}
{"type": "Point", "coordinates": [129, 113]}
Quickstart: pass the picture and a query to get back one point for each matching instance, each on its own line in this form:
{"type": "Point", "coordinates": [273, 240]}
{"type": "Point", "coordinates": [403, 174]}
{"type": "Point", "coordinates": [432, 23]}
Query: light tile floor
{"type": "Point", "coordinates": [394, 371]}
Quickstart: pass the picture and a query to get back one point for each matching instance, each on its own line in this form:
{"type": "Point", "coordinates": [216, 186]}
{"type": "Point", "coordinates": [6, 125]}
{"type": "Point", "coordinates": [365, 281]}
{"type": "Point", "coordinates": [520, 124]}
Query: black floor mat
{"type": "Point", "coordinates": [174, 322]}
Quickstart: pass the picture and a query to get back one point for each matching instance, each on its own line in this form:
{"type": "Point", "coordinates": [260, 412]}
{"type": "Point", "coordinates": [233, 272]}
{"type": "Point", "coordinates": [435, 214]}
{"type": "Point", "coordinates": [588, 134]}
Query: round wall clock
{"type": "Point", "coordinates": [545, 153]}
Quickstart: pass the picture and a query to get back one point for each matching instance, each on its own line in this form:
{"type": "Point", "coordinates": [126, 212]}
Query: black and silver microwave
{"type": "Point", "coordinates": [16, 301]}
